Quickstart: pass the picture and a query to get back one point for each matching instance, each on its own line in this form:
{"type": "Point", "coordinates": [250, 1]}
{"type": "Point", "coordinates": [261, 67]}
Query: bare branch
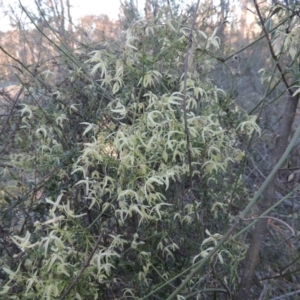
{"type": "Point", "coordinates": [86, 264]}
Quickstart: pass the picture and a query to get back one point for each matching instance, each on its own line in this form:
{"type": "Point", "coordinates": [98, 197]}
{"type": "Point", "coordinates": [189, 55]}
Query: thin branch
{"type": "Point", "coordinates": [71, 57]}
{"type": "Point", "coordinates": [33, 190]}
{"type": "Point", "coordinates": [279, 276]}
{"type": "Point", "coordinates": [273, 218]}
{"type": "Point", "coordinates": [286, 295]}
{"type": "Point", "coordinates": [290, 264]}
{"type": "Point", "coordinates": [258, 39]}
{"type": "Point", "coordinates": [12, 109]}
{"type": "Point", "coordinates": [249, 156]}
{"type": "Point", "coordinates": [205, 291]}
{"type": "Point", "coordinates": [271, 47]}
{"type": "Point", "coordinates": [266, 212]}
{"type": "Point", "coordinates": [204, 261]}
{"type": "Point", "coordinates": [86, 264]}
{"type": "Point", "coordinates": [282, 5]}
{"type": "Point", "coordinates": [272, 173]}
{"type": "Point", "coordinates": [19, 62]}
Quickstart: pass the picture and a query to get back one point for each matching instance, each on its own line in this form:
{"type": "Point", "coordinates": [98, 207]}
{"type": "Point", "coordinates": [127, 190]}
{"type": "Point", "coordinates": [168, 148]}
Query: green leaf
{"type": "Point", "coordinates": [7, 199]}
{"type": "Point", "coordinates": [165, 156]}
{"type": "Point", "coordinates": [275, 11]}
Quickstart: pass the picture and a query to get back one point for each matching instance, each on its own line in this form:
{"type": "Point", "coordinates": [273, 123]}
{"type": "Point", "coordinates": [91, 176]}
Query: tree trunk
{"type": "Point", "coordinates": [267, 200]}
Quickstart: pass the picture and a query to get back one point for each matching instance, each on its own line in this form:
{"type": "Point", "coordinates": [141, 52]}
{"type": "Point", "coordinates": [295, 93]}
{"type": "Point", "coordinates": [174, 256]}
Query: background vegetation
{"type": "Point", "coordinates": [156, 157]}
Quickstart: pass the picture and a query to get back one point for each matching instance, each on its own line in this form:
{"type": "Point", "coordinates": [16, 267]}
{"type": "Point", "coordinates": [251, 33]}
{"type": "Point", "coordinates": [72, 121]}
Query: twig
{"type": "Point", "coordinates": [281, 4]}
{"type": "Point", "coordinates": [273, 218]}
{"type": "Point", "coordinates": [203, 262]}
{"type": "Point", "coordinates": [286, 295]}
{"type": "Point", "coordinates": [221, 281]}
{"type": "Point", "coordinates": [261, 296]}
{"type": "Point", "coordinates": [291, 263]}
{"type": "Point", "coordinates": [271, 47]}
{"type": "Point", "coordinates": [279, 276]}
{"type": "Point", "coordinates": [33, 190]}
{"type": "Point", "coordinates": [72, 58]}
{"type": "Point", "coordinates": [205, 291]}
{"type": "Point", "coordinates": [13, 107]}
{"type": "Point", "coordinates": [254, 165]}
{"type": "Point", "coordinates": [86, 264]}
